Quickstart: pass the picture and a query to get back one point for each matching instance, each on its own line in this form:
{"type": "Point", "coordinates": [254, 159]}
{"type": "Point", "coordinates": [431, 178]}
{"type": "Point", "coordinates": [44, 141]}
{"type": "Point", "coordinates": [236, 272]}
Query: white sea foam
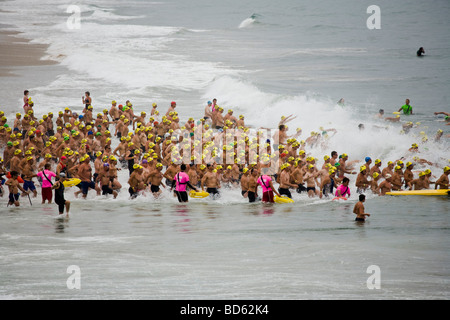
{"type": "Point", "coordinates": [245, 23]}
{"type": "Point", "coordinates": [380, 138]}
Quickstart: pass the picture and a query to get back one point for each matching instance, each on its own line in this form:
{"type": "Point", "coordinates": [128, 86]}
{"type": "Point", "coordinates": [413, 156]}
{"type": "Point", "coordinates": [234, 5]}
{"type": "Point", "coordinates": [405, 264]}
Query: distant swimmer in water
{"type": "Point", "coordinates": [341, 102]}
{"type": "Point", "coordinates": [380, 114]}
{"type": "Point", "coordinates": [447, 116]}
{"type": "Point", "coordinates": [420, 52]}
{"type": "Point", "coordinates": [406, 108]}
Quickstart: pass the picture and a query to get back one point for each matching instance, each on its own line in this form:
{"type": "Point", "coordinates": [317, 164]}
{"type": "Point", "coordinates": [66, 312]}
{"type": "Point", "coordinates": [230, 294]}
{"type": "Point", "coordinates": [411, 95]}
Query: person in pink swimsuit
{"type": "Point", "coordinates": [266, 183]}
{"type": "Point", "coordinates": [343, 189]}
{"type": "Point", "coordinates": [46, 177]}
{"type": "Point", "coordinates": [180, 181]}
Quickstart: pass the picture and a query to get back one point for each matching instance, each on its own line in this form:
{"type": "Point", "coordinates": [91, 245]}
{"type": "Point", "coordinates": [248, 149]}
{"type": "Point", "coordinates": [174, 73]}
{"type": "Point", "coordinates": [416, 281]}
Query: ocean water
{"type": "Point", "coordinates": [263, 59]}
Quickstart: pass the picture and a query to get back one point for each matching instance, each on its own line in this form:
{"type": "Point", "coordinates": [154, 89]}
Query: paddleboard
{"type": "Point", "coordinates": [71, 182]}
{"type": "Point", "coordinates": [200, 194]}
{"type": "Point", "coordinates": [427, 192]}
{"type": "Point", "coordinates": [8, 175]}
{"type": "Point", "coordinates": [282, 199]}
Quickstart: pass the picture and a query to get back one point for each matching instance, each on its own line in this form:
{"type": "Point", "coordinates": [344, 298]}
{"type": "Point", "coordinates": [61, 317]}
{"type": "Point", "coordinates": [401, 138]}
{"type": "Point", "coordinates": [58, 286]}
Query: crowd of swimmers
{"type": "Point", "coordinates": [94, 147]}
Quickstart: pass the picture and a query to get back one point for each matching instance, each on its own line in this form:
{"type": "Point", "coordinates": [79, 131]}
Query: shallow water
{"type": "Point", "coordinates": [262, 59]}
{"type": "Point", "coordinates": [206, 249]}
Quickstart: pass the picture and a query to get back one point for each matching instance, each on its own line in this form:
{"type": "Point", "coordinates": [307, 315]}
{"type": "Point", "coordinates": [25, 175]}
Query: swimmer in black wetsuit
{"type": "Point", "coordinates": [420, 52]}
{"type": "Point", "coordinates": [58, 186]}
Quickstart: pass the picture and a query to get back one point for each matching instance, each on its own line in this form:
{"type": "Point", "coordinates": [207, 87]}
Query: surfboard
{"type": "Point", "coordinates": [427, 192]}
{"type": "Point", "coordinates": [8, 175]}
{"type": "Point", "coordinates": [200, 194]}
{"type": "Point", "coordinates": [282, 199]}
{"type": "Point", "coordinates": [71, 182]}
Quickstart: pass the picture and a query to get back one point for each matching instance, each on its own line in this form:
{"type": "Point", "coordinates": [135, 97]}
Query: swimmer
{"type": "Point", "coordinates": [414, 148]}
{"type": "Point", "coordinates": [136, 181]}
{"type": "Point", "coordinates": [397, 179]}
{"type": "Point", "coordinates": [406, 108]}
{"type": "Point", "coordinates": [46, 176]}
{"type": "Point", "coordinates": [419, 183]}
{"type": "Point", "coordinates": [181, 181]}
{"type": "Point", "coordinates": [25, 99]}
{"type": "Point", "coordinates": [420, 52]}
{"type": "Point", "coordinates": [359, 209]}
{"type": "Point", "coordinates": [443, 181]}
{"type": "Point", "coordinates": [252, 192]}
{"type": "Point", "coordinates": [86, 99]}
{"type": "Point", "coordinates": [388, 169]}
{"type": "Point", "coordinates": [380, 114]}
{"type": "Point", "coordinates": [438, 136]}
{"type": "Point", "coordinates": [328, 183]}
{"type": "Point", "coordinates": [58, 186]}
{"type": "Point", "coordinates": [285, 120]}
{"type": "Point", "coordinates": [393, 119]}
{"type": "Point", "coordinates": [311, 181]}
{"type": "Point", "coordinates": [361, 180]}
{"type": "Point", "coordinates": [85, 175]}
{"type": "Point", "coordinates": [343, 190]}
{"type": "Point", "coordinates": [211, 181]}
{"type": "Point", "coordinates": [285, 181]}
{"type": "Point", "coordinates": [14, 187]}
{"type": "Point", "coordinates": [244, 182]}
{"type": "Point", "coordinates": [367, 165]}
{"type": "Point", "coordinates": [266, 184]}
{"type": "Point", "coordinates": [106, 181]}
{"type": "Point", "coordinates": [374, 183]}
{"type": "Point", "coordinates": [408, 175]}
{"type": "Point", "coordinates": [155, 180]}
{"type": "Point", "coordinates": [447, 116]}
{"type": "Point", "coordinates": [385, 186]}
{"type": "Point", "coordinates": [376, 167]}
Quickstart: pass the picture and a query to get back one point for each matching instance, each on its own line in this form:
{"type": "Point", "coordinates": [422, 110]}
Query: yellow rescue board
{"type": "Point", "coordinates": [282, 199]}
{"type": "Point", "coordinates": [71, 182]}
{"type": "Point", "coordinates": [427, 192]}
{"type": "Point", "coordinates": [200, 194]}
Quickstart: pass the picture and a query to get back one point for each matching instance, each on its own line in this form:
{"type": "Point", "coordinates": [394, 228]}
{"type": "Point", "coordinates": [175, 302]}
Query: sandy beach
{"type": "Point", "coordinates": [16, 51]}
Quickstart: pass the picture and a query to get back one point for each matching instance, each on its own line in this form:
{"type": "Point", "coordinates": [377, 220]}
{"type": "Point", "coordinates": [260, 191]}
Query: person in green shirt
{"type": "Point", "coordinates": [407, 109]}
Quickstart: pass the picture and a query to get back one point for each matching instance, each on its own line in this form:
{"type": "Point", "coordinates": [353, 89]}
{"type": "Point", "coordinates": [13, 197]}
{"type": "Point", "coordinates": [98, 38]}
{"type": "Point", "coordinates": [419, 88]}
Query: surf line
{"type": "Point", "coordinates": [197, 310]}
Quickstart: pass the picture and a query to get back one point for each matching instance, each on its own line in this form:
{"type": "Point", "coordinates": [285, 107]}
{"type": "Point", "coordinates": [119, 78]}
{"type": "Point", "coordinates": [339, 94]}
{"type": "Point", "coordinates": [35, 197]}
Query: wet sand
{"type": "Point", "coordinates": [16, 51]}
